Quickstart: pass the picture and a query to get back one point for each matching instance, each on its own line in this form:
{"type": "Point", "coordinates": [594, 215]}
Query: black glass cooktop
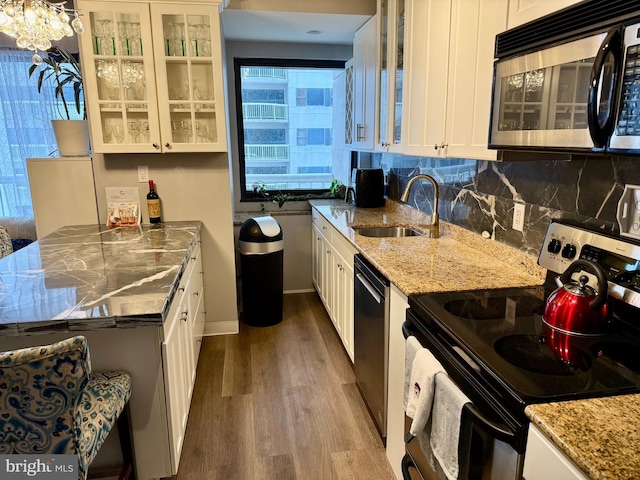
{"type": "Point", "coordinates": [503, 333]}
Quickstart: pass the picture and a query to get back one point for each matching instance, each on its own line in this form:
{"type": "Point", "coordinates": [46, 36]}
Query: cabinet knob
{"type": "Point", "coordinates": [156, 146]}
{"type": "Point", "coordinates": [168, 145]}
{"type": "Point", "coordinates": [196, 294]}
{"type": "Point", "coordinates": [184, 316]}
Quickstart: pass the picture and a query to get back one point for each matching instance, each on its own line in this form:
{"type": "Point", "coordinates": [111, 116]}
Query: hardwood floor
{"type": "Point", "coordinates": [280, 403]}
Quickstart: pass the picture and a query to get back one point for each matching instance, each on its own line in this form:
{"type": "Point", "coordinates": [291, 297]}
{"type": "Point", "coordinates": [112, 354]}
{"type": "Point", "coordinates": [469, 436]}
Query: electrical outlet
{"type": "Point", "coordinates": [143, 173]}
{"type": "Point", "coordinates": [518, 216]}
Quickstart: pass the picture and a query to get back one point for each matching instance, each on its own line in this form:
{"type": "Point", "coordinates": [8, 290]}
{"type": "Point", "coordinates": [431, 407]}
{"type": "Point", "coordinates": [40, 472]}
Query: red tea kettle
{"type": "Point", "coordinates": [575, 307]}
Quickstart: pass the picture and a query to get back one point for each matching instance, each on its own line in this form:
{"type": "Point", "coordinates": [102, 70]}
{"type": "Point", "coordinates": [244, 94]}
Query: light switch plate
{"type": "Point", "coordinates": [518, 216]}
{"type": "Point", "coordinates": [143, 173]}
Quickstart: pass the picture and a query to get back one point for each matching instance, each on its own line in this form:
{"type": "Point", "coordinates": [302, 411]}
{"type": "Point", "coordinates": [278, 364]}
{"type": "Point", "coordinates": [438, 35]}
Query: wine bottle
{"type": "Point", "coordinates": [153, 204]}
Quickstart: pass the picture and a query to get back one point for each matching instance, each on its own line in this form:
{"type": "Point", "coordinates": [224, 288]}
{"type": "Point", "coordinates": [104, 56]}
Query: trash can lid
{"type": "Point", "coordinates": [260, 230]}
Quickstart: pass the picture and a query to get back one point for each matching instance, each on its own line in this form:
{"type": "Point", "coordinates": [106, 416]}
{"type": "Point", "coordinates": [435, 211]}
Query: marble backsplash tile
{"type": "Point", "coordinates": [480, 195]}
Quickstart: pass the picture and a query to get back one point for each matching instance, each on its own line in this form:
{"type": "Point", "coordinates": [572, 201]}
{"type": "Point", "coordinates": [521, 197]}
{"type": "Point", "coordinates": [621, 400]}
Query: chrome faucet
{"type": "Point", "coordinates": [435, 222]}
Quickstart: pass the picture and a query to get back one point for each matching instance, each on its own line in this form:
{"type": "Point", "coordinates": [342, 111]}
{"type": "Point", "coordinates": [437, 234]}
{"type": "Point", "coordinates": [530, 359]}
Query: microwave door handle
{"type": "Point", "coordinates": [600, 133]}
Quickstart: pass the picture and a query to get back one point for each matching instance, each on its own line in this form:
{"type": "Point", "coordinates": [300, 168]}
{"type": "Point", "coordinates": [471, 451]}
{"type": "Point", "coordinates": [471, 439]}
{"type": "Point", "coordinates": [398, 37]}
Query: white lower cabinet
{"type": "Point", "coordinates": [398, 305]}
{"type": "Point", "coordinates": [183, 331]}
{"type": "Point", "coordinates": [332, 273]}
{"type": "Point", "coordinates": [544, 460]}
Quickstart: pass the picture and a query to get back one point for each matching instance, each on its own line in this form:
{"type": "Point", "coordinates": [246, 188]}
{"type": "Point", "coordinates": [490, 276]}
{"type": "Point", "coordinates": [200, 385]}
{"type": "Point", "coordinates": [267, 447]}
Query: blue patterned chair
{"type": "Point", "coordinates": [51, 403]}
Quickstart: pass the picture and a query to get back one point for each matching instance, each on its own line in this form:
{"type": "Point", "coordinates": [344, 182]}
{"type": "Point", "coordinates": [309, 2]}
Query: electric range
{"type": "Point", "coordinates": [497, 349]}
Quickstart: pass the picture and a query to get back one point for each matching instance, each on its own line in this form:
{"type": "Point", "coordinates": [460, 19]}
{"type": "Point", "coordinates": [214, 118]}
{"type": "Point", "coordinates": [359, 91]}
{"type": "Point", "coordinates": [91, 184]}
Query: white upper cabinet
{"type": "Point", "coordinates": [364, 83]}
{"type": "Point", "coordinates": [391, 42]}
{"type": "Point", "coordinates": [523, 11]}
{"type": "Point", "coordinates": [153, 77]}
{"type": "Point", "coordinates": [448, 76]}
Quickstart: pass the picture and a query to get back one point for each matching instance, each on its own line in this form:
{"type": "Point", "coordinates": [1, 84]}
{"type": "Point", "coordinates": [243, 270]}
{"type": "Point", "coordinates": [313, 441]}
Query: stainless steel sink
{"type": "Point", "coordinates": [383, 232]}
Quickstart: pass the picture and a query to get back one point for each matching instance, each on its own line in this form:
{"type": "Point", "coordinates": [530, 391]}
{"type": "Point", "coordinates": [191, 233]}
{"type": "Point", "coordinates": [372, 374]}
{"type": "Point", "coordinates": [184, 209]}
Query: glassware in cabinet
{"type": "Point", "coordinates": [153, 91]}
{"type": "Point", "coordinates": [190, 74]}
{"type": "Point", "coordinates": [119, 79]}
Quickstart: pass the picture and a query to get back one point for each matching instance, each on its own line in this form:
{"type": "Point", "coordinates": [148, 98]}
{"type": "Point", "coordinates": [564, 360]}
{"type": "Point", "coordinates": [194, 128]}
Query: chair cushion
{"type": "Point", "coordinates": [100, 405]}
{"type": "Point", "coordinates": [5, 242]}
{"type": "Point", "coordinates": [18, 243]}
{"type": "Point", "coordinates": [39, 388]}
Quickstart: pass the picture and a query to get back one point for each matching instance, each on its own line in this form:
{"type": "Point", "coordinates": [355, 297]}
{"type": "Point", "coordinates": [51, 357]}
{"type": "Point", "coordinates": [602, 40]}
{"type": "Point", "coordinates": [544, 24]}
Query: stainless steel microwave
{"type": "Point", "coordinates": [581, 94]}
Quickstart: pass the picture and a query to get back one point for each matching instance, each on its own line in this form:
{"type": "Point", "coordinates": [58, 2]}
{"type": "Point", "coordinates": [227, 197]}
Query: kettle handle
{"type": "Point", "coordinates": [603, 284]}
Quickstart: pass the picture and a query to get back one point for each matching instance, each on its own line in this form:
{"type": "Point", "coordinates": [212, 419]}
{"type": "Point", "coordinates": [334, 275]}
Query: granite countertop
{"type": "Point", "coordinates": [596, 433]}
{"type": "Point", "coordinates": [88, 277]}
{"type": "Point", "coordinates": [458, 260]}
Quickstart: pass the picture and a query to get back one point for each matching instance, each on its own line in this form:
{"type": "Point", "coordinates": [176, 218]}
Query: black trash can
{"type": "Point", "coordinates": [261, 248]}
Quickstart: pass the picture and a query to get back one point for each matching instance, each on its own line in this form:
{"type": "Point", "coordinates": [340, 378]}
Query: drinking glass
{"type": "Point", "coordinates": [135, 38]}
{"type": "Point", "coordinates": [107, 40]}
{"type": "Point", "coordinates": [144, 130]}
{"type": "Point", "coordinates": [133, 127]}
{"type": "Point", "coordinates": [118, 133]}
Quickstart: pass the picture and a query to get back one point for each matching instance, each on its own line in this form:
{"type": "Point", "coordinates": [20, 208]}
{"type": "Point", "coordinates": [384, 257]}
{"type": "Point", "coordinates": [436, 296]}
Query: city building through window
{"type": "Point", "coordinates": [286, 120]}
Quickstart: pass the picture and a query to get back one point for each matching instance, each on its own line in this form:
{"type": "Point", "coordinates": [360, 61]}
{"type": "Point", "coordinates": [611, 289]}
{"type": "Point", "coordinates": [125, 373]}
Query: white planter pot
{"type": "Point", "coordinates": [72, 137]}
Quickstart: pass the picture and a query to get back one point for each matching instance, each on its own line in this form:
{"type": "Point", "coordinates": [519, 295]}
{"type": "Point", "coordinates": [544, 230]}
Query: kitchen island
{"type": "Point", "coordinates": [128, 291]}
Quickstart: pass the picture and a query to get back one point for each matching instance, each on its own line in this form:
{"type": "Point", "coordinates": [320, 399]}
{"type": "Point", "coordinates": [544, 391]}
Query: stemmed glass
{"type": "Point", "coordinates": [134, 130]}
{"type": "Point", "coordinates": [118, 133]}
{"type": "Point", "coordinates": [144, 130]}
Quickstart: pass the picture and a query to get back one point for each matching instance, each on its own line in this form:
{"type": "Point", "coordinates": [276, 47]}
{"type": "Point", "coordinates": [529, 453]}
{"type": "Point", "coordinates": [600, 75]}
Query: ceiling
{"type": "Point", "coordinates": [252, 25]}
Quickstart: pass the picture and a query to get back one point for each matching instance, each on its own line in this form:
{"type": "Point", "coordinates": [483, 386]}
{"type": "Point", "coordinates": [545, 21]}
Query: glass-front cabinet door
{"type": "Point", "coordinates": [119, 77]}
{"type": "Point", "coordinates": [391, 61]}
{"type": "Point", "coordinates": [189, 74]}
{"type": "Point", "coordinates": [153, 75]}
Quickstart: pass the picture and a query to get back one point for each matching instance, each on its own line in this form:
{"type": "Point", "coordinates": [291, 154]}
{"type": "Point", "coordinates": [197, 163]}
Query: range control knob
{"type": "Point", "coordinates": [569, 251]}
{"type": "Point", "coordinates": [554, 246]}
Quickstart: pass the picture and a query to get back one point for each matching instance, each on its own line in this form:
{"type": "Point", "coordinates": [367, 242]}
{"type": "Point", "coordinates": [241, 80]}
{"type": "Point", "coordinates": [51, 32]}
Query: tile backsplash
{"type": "Point", "coordinates": [480, 195]}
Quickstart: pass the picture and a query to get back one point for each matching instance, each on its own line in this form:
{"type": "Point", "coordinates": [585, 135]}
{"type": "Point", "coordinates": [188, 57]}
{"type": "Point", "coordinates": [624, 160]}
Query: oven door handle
{"type": "Point", "coordinates": [499, 431]}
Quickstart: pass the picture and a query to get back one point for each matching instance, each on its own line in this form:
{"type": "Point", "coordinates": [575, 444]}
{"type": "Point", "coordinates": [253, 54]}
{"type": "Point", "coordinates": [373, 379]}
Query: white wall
{"type": "Point", "coordinates": [191, 187]}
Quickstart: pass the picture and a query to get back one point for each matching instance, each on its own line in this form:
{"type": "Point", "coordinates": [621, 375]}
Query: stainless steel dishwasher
{"type": "Point", "coordinates": [371, 339]}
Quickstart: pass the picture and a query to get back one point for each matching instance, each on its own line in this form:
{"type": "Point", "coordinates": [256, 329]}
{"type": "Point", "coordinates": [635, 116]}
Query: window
{"type": "Point", "coordinates": [285, 124]}
{"type": "Point", "coordinates": [26, 129]}
{"type": "Point", "coordinates": [314, 136]}
{"type": "Point", "coordinates": [308, 97]}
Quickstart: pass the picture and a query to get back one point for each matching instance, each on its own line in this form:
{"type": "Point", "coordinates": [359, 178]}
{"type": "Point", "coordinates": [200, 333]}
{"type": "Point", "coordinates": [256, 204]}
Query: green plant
{"type": "Point", "coordinates": [62, 68]}
{"type": "Point", "coordinates": [336, 190]}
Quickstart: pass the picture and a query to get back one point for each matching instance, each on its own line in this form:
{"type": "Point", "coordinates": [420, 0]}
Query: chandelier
{"type": "Point", "coordinates": [35, 23]}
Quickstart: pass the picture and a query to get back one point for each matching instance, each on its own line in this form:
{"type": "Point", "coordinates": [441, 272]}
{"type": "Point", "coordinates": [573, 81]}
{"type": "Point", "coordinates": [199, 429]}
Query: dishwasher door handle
{"type": "Point", "coordinates": [376, 296]}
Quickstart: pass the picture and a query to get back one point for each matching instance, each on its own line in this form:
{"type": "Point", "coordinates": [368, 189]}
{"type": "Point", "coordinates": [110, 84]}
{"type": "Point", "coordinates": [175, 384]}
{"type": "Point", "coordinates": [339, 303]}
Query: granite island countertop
{"type": "Point", "coordinates": [458, 260]}
{"type": "Point", "coordinates": [601, 435]}
{"type": "Point", "coordinates": [90, 277]}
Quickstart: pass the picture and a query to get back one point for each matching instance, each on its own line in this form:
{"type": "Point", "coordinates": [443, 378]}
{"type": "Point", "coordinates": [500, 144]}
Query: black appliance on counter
{"type": "Point", "coordinates": [496, 348]}
{"type": "Point", "coordinates": [369, 187]}
{"type": "Point", "coordinates": [569, 82]}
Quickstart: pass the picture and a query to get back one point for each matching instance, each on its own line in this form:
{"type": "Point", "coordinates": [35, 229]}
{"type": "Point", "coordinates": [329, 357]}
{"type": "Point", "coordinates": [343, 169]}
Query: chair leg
{"type": "Point", "coordinates": [126, 444]}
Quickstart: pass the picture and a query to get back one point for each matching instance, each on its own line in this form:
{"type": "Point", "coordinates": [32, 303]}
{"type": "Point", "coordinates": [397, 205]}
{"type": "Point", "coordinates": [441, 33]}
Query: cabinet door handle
{"type": "Point", "coordinates": [359, 132]}
{"type": "Point", "coordinates": [184, 316]}
{"type": "Point", "coordinates": [196, 294]}
{"type": "Point", "coordinates": [156, 146]}
{"type": "Point", "coordinates": [168, 145]}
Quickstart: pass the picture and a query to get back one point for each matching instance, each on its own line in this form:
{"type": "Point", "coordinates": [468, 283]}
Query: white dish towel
{"type": "Point", "coordinates": [421, 389]}
{"type": "Point", "coordinates": [446, 421]}
{"type": "Point", "coordinates": [411, 347]}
